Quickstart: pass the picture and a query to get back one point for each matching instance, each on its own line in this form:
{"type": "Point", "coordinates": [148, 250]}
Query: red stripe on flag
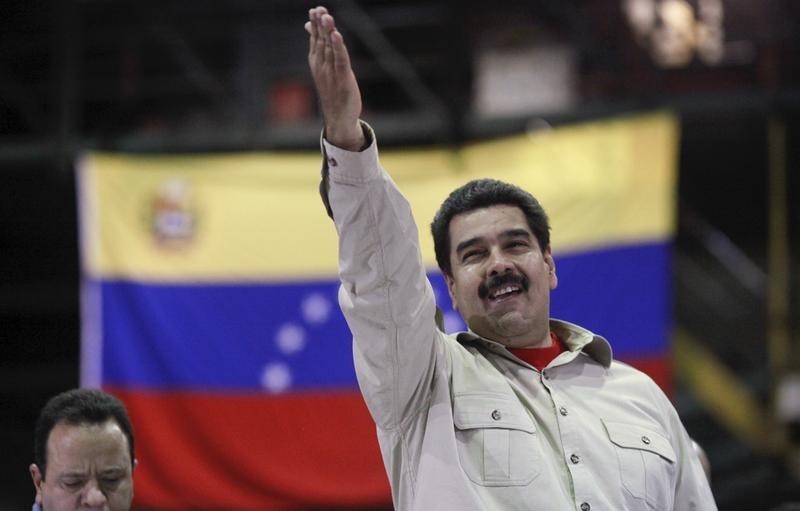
{"type": "Point", "coordinates": [254, 452]}
{"type": "Point", "coordinates": [241, 452]}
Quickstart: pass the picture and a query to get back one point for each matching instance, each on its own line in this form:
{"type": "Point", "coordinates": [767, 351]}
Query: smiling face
{"type": "Point", "coordinates": [501, 279]}
{"type": "Point", "coordinates": [88, 468]}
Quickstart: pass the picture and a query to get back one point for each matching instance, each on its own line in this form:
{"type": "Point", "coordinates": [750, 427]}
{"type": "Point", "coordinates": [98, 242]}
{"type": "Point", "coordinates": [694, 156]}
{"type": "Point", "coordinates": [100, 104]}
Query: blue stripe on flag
{"type": "Point", "coordinates": [242, 336]}
{"type": "Point", "coordinates": [291, 336]}
{"type": "Point", "coordinates": [621, 293]}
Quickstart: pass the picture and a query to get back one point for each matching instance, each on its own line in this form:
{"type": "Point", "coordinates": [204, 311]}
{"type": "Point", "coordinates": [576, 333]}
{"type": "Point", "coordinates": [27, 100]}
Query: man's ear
{"type": "Point", "coordinates": [551, 264]}
{"type": "Point", "coordinates": [38, 479]}
{"type": "Point", "coordinates": [451, 290]}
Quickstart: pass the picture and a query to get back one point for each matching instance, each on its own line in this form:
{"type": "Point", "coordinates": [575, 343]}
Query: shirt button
{"type": "Point", "coordinates": [563, 411]}
{"type": "Point", "coordinates": [585, 506]}
{"type": "Point", "coordinates": [645, 440]}
{"type": "Point", "coordinates": [332, 162]}
{"type": "Point", "coordinates": [546, 376]}
{"type": "Point", "coordinates": [575, 458]}
{"type": "Point", "coordinates": [496, 415]}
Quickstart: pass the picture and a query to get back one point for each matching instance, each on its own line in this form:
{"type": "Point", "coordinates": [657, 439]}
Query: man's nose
{"type": "Point", "coordinates": [499, 263]}
{"type": "Point", "coordinates": [93, 496]}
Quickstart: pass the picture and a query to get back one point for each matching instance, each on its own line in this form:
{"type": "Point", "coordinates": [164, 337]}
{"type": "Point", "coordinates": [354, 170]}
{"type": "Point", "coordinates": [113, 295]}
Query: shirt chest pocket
{"type": "Point", "coordinates": [647, 463]}
{"type": "Point", "coordinates": [497, 443]}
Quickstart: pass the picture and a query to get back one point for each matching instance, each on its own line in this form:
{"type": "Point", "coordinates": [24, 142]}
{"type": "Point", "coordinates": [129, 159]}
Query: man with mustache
{"type": "Point", "coordinates": [519, 413]}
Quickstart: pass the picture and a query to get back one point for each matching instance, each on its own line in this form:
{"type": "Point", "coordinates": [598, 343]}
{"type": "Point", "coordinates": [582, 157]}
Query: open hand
{"type": "Point", "coordinates": [337, 89]}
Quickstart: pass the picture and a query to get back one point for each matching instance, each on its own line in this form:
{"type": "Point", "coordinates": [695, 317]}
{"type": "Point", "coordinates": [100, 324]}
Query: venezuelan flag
{"type": "Point", "coordinates": [209, 299]}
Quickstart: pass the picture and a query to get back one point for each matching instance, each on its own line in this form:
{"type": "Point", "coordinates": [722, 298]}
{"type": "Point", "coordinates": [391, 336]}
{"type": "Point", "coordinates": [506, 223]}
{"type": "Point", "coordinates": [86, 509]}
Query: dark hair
{"type": "Point", "coordinates": [76, 407]}
{"type": "Point", "coordinates": [482, 193]}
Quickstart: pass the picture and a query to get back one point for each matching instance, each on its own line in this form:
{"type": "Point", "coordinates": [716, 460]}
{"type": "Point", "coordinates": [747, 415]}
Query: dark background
{"type": "Point", "coordinates": [169, 76]}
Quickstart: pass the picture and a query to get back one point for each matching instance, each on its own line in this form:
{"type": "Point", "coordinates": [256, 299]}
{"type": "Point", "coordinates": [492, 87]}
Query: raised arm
{"type": "Point", "coordinates": [337, 89]}
{"type": "Point", "coordinates": [385, 295]}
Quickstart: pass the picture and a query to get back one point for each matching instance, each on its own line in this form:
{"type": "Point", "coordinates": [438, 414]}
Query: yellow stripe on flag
{"type": "Point", "coordinates": [258, 216]}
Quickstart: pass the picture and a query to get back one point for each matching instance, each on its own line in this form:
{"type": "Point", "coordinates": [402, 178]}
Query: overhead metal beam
{"type": "Point", "coordinates": [390, 59]}
{"type": "Point", "coordinates": [198, 72]}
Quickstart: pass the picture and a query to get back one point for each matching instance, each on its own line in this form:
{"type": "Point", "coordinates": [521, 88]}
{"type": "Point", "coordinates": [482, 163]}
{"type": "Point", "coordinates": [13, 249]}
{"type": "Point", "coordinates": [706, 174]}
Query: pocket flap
{"type": "Point", "coordinates": [633, 436]}
{"type": "Point", "coordinates": [487, 410]}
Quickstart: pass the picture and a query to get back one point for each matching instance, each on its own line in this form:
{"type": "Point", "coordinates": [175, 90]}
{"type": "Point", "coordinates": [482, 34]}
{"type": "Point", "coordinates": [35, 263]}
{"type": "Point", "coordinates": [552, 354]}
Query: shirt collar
{"type": "Point", "coordinates": [576, 338]}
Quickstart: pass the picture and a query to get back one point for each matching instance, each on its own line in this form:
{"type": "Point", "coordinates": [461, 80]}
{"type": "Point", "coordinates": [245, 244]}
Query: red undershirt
{"type": "Point", "coordinates": [540, 357]}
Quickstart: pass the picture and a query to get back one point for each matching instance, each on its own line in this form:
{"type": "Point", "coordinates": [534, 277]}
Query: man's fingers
{"type": "Point", "coordinates": [314, 27]}
{"type": "Point", "coordinates": [328, 22]}
{"type": "Point", "coordinates": [335, 51]}
{"type": "Point", "coordinates": [316, 13]}
{"type": "Point", "coordinates": [313, 22]}
{"type": "Point", "coordinates": [336, 86]}
{"type": "Point", "coordinates": [341, 59]}
{"type": "Point", "coordinates": [328, 54]}
{"type": "Point", "coordinates": [325, 27]}
{"type": "Point", "coordinates": [311, 28]}
{"type": "Point", "coordinates": [317, 41]}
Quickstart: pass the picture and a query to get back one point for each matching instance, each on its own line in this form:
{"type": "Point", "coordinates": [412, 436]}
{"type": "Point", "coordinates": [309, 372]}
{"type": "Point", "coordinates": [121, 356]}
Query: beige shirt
{"type": "Point", "coordinates": [464, 425]}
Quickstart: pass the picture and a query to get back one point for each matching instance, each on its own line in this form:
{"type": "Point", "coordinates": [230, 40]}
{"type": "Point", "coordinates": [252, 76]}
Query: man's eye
{"type": "Point", "coordinates": [111, 481]}
{"type": "Point", "coordinates": [73, 484]}
{"type": "Point", "coordinates": [472, 254]}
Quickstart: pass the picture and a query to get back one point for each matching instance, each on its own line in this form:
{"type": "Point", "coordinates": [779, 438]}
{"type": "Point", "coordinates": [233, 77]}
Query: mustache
{"type": "Point", "coordinates": [499, 281]}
